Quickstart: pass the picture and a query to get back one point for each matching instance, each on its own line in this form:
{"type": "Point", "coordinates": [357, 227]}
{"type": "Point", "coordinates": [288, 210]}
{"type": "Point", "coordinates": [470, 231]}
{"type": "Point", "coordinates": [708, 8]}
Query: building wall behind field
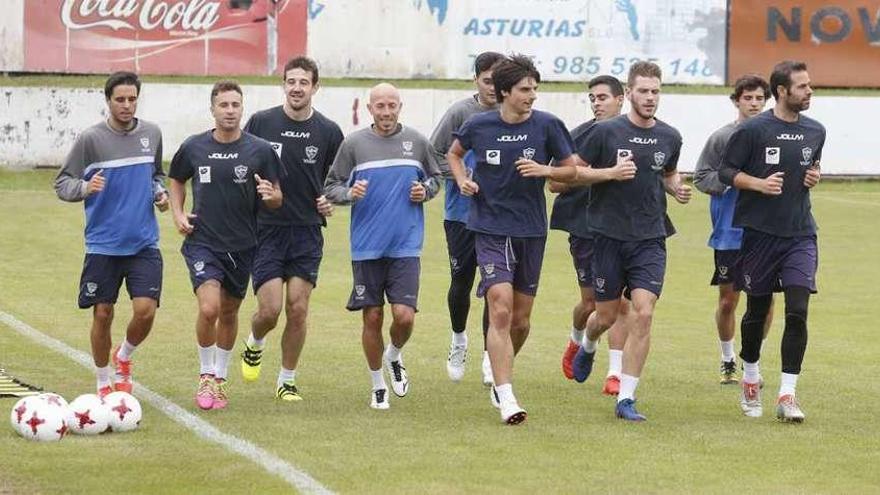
{"type": "Point", "coordinates": [39, 125]}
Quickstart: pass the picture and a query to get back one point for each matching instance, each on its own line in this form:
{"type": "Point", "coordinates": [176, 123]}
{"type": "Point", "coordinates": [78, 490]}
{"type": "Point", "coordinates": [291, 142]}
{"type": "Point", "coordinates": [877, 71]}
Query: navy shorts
{"type": "Point", "coordinates": [102, 277]}
{"type": "Point", "coordinates": [581, 250]}
{"type": "Point", "coordinates": [726, 267]}
{"type": "Point", "coordinates": [623, 266]}
{"type": "Point", "coordinates": [232, 270]}
{"type": "Point", "coordinates": [512, 260]}
{"type": "Point", "coordinates": [396, 278]}
{"type": "Point", "coordinates": [769, 263]}
{"type": "Point", "coordinates": [460, 245]}
{"type": "Point", "coordinates": [288, 251]}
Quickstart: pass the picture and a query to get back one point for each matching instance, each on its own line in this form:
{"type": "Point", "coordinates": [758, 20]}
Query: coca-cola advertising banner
{"type": "Point", "coordinates": [216, 37]}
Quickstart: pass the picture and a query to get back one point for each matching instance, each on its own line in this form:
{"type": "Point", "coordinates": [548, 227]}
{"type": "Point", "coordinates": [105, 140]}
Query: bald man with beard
{"type": "Point", "coordinates": [385, 172]}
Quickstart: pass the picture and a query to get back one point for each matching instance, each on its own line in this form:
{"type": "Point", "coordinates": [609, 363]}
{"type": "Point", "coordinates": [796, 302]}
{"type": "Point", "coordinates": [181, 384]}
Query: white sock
{"type": "Point", "coordinates": [392, 353]}
{"type": "Point", "coordinates": [285, 375]}
{"type": "Point", "coordinates": [615, 362]}
{"type": "Point", "coordinates": [505, 393]}
{"type": "Point", "coordinates": [727, 353]}
{"type": "Point", "coordinates": [206, 359]}
{"type": "Point", "coordinates": [255, 343]}
{"type": "Point", "coordinates": [378, 379]}
{"type": "Point", "coordinates": [787, 384]}
{"type": "Point", "coordinates": [125, 351]}
{"type": "Point", "coordinates": [221, 363]}
{"type": "Point", "coordinates": [751, 372]}
{"type": "Point", "coordinates": [589, 345]}
{"type": "Point", "coordinates": [577, 336]}
{"type": "Point", "coordinates": [103, 376]}
{"type": "Point", "coordinates": [628, 386]}
{"type": "Point", "coordinates": [459, 339]}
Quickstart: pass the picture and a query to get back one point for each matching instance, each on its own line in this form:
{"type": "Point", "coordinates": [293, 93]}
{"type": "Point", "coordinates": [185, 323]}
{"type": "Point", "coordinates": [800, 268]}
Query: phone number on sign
{"type": "Point", "coordinates": [618, 66]}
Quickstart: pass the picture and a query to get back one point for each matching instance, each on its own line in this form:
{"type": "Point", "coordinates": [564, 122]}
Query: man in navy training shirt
{"type": "Point", "coordinates": [508, 211]}
{"type": "Point", "coordinates": [115, 168]}
{"type": "Point", "coordinates": [290, 240]}
{"type": "Point", "coordinates": [232, 172]}
{"type": "Point", "coordinates": [749, 96]}
{"type": "Point", "coordinates": [459, 240]}
{"type": "Point", "coordinates": [773, 159]}
{"type": "Point", "coordinates": [570, 215]}
{"type": "Point", "coordinates": [386, 172]}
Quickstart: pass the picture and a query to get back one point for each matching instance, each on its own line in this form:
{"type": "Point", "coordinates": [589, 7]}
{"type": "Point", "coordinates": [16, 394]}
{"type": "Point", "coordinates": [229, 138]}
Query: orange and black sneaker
{"type": "Point", "coordinates": [122, 381]}
{"type": "Point", "coordinates": [567, 357]}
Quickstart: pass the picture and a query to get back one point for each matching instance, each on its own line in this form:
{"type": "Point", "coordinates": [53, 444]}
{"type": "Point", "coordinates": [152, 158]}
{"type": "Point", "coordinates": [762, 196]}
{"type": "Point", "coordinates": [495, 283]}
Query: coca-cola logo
{"type": "Point", "coordinates": [189, 15]}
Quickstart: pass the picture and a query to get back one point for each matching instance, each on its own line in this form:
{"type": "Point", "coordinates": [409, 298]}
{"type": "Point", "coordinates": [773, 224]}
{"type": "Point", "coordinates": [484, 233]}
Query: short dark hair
{"type": "Point", "coordinates": [749, 82]}
{"type": "Point", "coordinates": [511, 70]}
{"type": "Point", "coordinates": [643, 69]}
{"type": "Point", "coordinates": [121, 78]}
{"type": "Point", "coordinates": [781, 75]}
{"type": "Point", "coordinates": [223, 86]}
{"type": "Point", "coordinates": [304, 63]}
{"type": "Point", "coordinates": [612, 82]}
{"type": "Point", "coordinates": [485, 61]}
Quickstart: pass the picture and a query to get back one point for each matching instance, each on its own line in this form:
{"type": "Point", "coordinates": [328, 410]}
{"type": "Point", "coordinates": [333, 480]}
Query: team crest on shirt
{"type": "Point", "coordinates": [199, 267]}
{"type": "Point", "coordinates": [311, 154]}
{"type": "Point", "coordinates": [659, 160]}
{"type": "Point", "coordinates": [240, 174]}
{"type": "Point", "coordinates": [145, 144]}
{"type": "Point", "coordinates": [277, 147]}
{"type": "Point", "coordinates": [807, 153]}
{"type": "Point", "coordinates": [407, 148]}
{"type": "Point", "coordinates": [359, 291]}
{"type": "Point", "coordinates": [528, 153]}
{"type": "Point", "coordinates": [205, 174]}
{"type": "Point", "coordinates": [91, 288]}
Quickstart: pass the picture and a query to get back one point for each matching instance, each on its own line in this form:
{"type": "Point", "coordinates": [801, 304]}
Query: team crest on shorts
{"type": "Point", "coordinates": [91, 288]}
{"type": "Point", "coordinates": [489, 268]}
{"type": "Point", "coordinates": [311, 154]}
{"type": "Point", "coordinates": [600, 285]}
{"type": "Point", "coordinates": [453, 263]}
{"type": "Point", "coordinates": [528, 153]}
{"type": "Point", "coordinates": [582, 274]}
{"type": "Point", "coordinates": [359, 291]}
{"type": "Point", "coordinates": [722, 270]}
{"type": "Point", "coordinates": [748, 280]}
{"type": "Point", "coordinates": [199, 267]}
{"type": "Point", "coordinates": [240, 174]}
{"type": "Point", "coordinates": [659, 160]}
{"type": "Point", "coordinates": [807, 153]}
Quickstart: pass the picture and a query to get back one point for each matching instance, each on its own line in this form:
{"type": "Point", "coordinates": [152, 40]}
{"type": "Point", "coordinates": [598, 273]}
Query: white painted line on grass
{"type": "Point", "coordinates": [268, 461]}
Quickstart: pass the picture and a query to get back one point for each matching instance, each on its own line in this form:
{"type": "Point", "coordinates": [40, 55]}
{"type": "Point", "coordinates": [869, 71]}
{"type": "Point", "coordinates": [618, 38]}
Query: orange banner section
{"type": "Point", "coordinates": [838, 39]}
{"type": "Point", "coordinates": [217, 37]}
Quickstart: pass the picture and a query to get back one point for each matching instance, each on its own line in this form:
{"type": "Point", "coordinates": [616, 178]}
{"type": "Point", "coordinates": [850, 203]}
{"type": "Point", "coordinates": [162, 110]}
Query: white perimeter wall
{"type": "Point", "coordinates": [38, 125]}
{"type": "Point", "coordinates": [11, 35]}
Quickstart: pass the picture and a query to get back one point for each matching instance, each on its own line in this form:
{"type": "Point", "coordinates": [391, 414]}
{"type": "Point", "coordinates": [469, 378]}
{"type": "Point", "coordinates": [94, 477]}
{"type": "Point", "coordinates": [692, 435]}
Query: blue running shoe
{"type": "Point", "coordinates": [626, 409]}
{"type": "Point", "coordinates": [582, 364]}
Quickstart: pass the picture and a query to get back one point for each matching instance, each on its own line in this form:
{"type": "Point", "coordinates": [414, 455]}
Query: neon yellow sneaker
{"type": "Point", "coordinates": [251, 360]}
{"type": "Point", "coordinates": [288, 392]}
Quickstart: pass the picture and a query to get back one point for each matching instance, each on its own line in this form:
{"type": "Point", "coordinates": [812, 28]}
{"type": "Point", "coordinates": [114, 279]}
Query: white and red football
{"type": "Point", "coordinates": [125, 411]}
{"type": "Point", "coordinates": [87, 415]}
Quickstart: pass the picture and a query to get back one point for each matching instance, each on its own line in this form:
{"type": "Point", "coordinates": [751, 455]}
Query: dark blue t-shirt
{"type": "Point", "coordinates": [307, 149]}
{"type": "Point", "coordinates": [570, 208]}
{"type": "Point", "coordinates": [631, 210]}
{"type": "Point", "coordinates": [507, 203]}
{"type": "Point", "coordinates": [762, 146]}
{"type": "Point", "coordinates": [225, 199]}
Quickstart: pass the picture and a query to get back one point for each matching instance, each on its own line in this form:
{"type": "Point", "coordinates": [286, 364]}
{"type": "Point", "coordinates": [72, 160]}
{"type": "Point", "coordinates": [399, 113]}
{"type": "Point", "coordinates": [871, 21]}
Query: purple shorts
{"type": "Point", "coordinates": [622, 266]}
{"type": "Point", "coordinates": [460, 245]}
{"type": "Point", "coordinates": [232, 270]}
{"type": "Point", "coordinates": [512, 260]}
{"type": "Point", "coordinates": [769, 263]}
{"type": "Point", "coordinates": [396, 278]}
{"type": "Point", "coordinates": [726, 267]}
{"type": "Point", "coordinates": [288, 251]}
{"type": "Point", "coordinates": [102, 277]}
{"type": "Point", "coordinates": [582, 255]}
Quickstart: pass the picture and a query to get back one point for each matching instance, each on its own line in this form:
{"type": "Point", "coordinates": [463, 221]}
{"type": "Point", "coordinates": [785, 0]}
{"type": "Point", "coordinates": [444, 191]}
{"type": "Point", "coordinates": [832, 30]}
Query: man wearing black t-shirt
{"type": "Point", "coordinates": [232, 172]}
{"type": "Point", "coordinates": [290, 240]}
{"type": "Point", "coordinates": [773, 159]}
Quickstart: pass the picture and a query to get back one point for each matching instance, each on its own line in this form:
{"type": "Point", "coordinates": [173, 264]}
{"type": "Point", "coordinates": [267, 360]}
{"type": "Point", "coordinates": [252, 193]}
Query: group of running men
{"type": "Point", "coordinates": [261, 196]}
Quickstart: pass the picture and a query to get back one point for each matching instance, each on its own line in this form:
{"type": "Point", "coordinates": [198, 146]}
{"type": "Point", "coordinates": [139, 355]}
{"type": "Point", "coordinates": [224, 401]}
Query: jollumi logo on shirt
{"type": "Point", "coordinates": [223, 156]}
{"type": "Point", "coordinates": [790, 137]}
{"type": "Point", "coordinates": [297, 134]}
{"type": "Point", "coordinates": [642, 140]}
{"type": "Point", "coordinates": [514, 138]}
